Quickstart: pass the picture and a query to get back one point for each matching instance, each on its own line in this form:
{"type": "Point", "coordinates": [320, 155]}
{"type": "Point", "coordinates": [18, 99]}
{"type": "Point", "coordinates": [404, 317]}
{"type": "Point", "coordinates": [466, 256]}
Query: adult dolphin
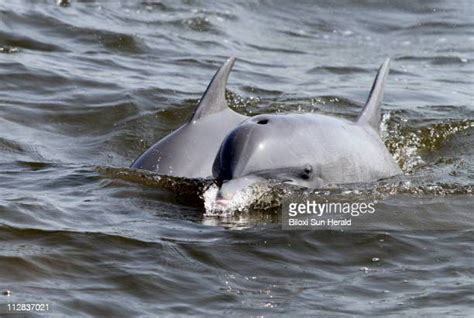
{"type": "Point", "coordinates": [309, 150]}
{"type": "Point", "coordinates": [190, 150]}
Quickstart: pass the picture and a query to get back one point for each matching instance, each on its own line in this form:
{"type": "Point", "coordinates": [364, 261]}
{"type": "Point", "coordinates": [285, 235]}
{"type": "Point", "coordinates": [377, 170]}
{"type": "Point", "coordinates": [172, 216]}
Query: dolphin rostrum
{"type": "Point", "coordinates": [306, 149]}
{"type": "Point", "coordinates": [190, 150]}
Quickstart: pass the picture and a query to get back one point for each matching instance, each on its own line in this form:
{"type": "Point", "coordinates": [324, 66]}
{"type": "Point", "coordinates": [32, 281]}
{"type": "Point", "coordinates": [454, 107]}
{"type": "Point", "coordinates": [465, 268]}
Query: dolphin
{"type": "Point", "coordinates": [189, 151]}
{"type": "Point", "coordinates": [306, 149]}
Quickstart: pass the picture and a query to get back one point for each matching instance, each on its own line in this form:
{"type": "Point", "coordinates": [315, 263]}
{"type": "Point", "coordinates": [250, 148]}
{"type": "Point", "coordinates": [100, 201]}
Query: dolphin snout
{"type": "Point", "coordinates": [222, 203]}
{"type": "Point", "coordinates": [229, 189]}
{"type": "Point", "coordinates": [224, 198]}
{"type": "Point", "coordinates": [224, 195]}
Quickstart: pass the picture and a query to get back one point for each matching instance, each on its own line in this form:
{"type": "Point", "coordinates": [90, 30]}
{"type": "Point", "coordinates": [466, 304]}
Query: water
{"type": "Point", "coordinates": [86, 86]}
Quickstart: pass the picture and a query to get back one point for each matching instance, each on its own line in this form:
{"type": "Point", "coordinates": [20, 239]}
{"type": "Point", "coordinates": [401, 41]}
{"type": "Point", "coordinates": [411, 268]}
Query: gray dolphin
{"type": "Point", "coordinates": [309, 150]}
{"type": "Point", "coordinates": [190, 150]}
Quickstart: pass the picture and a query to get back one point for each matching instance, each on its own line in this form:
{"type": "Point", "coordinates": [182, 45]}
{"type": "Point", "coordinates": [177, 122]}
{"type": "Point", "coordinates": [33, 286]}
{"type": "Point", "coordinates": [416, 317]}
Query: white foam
{"type": "Point", "coordinates": [241, 201]}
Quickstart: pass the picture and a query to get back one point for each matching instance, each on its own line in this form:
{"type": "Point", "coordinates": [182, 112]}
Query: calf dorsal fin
{"type": "Point", "coordinates": [371, 114]}
{"type": "Point", "coordinates": [213, 100]}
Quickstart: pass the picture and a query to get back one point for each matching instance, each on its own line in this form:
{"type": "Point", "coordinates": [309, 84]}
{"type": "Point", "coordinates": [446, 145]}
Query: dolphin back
{"type": "Point", "coordinates": [371, 114]}
{"type": "Point", "coordinates": [189, 151]}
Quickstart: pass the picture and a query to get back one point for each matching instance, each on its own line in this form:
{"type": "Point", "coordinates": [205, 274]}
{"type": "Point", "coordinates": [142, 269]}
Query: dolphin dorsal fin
{"type": "Point", "coordinates": [213, 100]}
{"type": "Point", "coordinates": [371, 114]}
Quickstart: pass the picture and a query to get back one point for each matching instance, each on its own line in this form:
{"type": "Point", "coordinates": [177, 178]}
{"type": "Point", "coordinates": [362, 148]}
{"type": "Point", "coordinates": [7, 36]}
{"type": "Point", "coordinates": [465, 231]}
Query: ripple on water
{"type": "Point", "coordinates": [9, 49]}
{"type": "Point", "coordinates": [10, 43]}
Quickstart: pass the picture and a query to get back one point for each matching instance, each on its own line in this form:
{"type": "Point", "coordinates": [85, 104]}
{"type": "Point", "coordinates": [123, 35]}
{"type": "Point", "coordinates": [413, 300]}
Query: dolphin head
{"type": "Point", "coordinates": [262, 149]}
{"type": "Point", "coordinates": [307, 150]}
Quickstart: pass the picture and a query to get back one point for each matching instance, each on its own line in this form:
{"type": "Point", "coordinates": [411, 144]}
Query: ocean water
{"type": "Point", "coordinates": [86, 86]}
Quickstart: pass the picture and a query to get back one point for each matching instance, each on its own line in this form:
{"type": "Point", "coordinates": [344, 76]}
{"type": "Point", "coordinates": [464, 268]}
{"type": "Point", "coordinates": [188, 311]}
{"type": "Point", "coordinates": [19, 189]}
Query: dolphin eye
{"type": "Point", "coordinates": [263, 121]}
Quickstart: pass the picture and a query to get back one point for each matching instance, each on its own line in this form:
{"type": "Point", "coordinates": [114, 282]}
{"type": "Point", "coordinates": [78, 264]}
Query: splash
{"type": "Point", "coordinates": [239, 202]}
{"type": "Point", "coordinates": [246, 106]}
{"type": "Point", "coordinates": [256, 196]}
{"type": "Point", "coordinates": [403, 146]}
{"type": "Point", "coordinates": [408, 145]}
{"type": "Point", "coordinates": [189, 188]}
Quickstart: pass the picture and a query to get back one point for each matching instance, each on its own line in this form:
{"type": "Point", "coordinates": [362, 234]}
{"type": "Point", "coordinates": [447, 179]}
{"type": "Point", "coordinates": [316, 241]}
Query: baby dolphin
{"type": "Point", "coordinates": [190, 150]}
{"type": "Point", "coordinates": [308, 150]}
